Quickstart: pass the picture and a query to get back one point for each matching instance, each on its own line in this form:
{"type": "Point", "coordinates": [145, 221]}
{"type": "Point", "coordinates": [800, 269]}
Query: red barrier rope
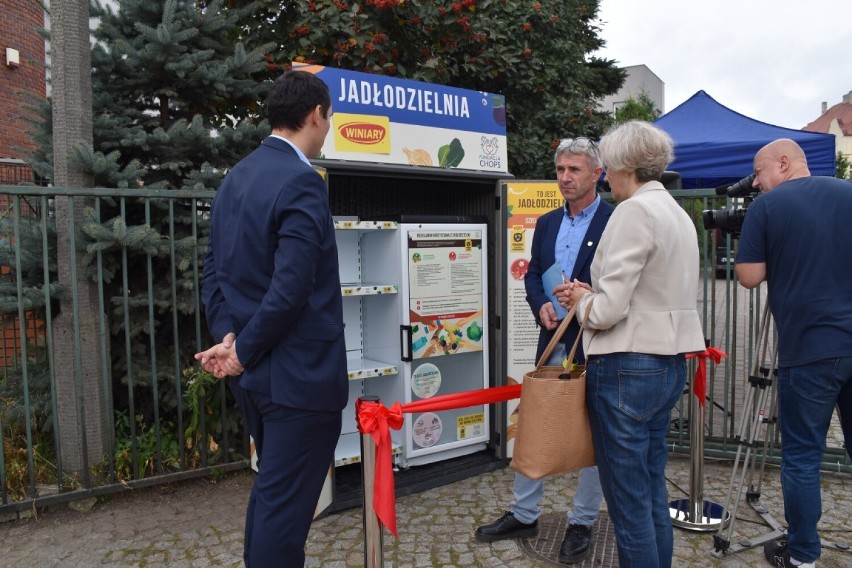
{"type": "Point", "coordinates": [699, 384]}
{"type": "Point", "coordinates": [375, 419]}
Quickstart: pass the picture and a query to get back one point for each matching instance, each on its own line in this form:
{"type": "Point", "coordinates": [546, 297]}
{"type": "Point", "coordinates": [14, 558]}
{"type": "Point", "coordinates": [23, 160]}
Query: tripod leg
{"type": "Point", "coordinates": [744, 440]}
{"type": "Point", "coordinates": [747, 435]}
{"type": "Point", "coordinates": [746, 450]}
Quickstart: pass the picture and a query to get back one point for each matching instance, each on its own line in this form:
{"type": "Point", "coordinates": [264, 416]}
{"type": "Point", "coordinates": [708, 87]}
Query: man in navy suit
{"type": "Point", "coordinates": [272, 298]}
{"type": "Point", "coordinates": [568, 236]}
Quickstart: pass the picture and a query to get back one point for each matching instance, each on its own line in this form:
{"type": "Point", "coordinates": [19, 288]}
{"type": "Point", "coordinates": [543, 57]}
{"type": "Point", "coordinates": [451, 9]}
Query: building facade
{"type": "Point", "coordinates": [22, 75]}
{"type": "Point", "coordinates": [836, 120]}
{"type": "Point", "coordinates": [639, 80]}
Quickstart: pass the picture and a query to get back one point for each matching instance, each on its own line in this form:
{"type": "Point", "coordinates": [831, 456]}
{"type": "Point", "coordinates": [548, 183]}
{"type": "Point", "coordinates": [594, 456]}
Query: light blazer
{"type": "Point", "coordinates": [645, 280]}
{"type": "Point", "coordinates": [271, 276]}
{"type": "Point", "coordinates": [542, 257]}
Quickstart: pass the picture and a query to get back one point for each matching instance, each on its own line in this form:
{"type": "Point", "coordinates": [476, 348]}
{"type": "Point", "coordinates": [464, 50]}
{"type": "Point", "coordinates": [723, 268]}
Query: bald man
{"type": "Point", "coordinates": [786, 238]}
{"type": "Point", "coordinates": [777, 162]}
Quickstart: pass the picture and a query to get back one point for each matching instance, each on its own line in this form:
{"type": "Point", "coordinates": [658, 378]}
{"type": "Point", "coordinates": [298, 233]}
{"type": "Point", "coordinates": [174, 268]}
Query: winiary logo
{"type": "Point", "coordinates": [361, 133]}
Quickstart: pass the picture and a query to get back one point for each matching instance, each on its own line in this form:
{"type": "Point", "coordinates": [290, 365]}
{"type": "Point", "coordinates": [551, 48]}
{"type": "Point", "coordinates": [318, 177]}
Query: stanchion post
{"type": "Point", "coordinates": [695, 513]}
{"type": "Point", "coordinates": [373, 551]}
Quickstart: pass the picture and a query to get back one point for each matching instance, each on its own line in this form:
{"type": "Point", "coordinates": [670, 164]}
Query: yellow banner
{"type": "Point", "coordinates": [526, 201]}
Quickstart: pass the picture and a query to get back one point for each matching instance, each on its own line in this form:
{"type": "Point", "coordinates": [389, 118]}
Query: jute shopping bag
{"type": "Point", "coordinates": [553, 434]}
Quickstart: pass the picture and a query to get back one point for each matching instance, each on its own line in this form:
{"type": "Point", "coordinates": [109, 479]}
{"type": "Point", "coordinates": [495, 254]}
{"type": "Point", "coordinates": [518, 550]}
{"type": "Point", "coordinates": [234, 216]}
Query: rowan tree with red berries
{"type": "Point", "coordinates": [538, 54]}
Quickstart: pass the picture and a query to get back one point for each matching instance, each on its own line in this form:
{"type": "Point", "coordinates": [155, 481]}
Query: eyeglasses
{"type": "Point", "coordinates": [581, 145]}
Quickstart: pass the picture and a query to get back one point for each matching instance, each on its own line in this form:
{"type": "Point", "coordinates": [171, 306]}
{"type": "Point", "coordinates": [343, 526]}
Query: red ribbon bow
{"type": "Point", "coordinates": [376, 420]}
{"type": "Point", "coordinates": [699, 385]}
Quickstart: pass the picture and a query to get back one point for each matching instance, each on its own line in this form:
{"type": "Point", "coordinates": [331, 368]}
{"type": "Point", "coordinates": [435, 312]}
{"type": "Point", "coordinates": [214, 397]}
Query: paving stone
{"type": "Point", "coordinates": [200, 524]}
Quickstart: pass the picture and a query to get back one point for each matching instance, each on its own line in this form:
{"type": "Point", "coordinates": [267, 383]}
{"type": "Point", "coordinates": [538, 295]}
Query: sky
{"type": "Point", "coordinates": [772, 60]}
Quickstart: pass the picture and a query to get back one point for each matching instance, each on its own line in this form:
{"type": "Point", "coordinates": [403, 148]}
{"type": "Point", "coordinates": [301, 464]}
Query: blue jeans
{"type": "Point", "coordinates": [587, 497]}
{"type": "Point", "coordinates": [630, 397]}
{"type": "Point", "coordinates": [807, 395]}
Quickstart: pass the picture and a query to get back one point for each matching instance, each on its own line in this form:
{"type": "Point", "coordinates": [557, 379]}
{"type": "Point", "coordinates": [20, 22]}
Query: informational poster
{"type": "Point", "coordinates": [445, 289]}
{"type": "Point", "coordinates": [525, 203]}
{"type": "Point", "coordinates": [384, 119]}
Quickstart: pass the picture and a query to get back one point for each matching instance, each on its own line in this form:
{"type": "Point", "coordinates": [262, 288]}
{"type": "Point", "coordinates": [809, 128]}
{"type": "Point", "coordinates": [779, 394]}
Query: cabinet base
{"type": "Point", "coordinates": [348, 492]}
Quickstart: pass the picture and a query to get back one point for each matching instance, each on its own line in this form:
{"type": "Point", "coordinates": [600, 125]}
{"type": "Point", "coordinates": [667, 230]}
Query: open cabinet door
{"type": "Point", "coordinates": [444, 292]}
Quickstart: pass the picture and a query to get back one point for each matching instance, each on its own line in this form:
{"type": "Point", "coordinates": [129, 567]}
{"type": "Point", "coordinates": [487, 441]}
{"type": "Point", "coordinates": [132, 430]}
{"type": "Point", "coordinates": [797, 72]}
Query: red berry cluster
{"type": "Point", "coordinates": [459, 6]}
{"type": "Point", "coordinates": [382, 4]}
{"type": "Point", "coordinates": [300, 31]}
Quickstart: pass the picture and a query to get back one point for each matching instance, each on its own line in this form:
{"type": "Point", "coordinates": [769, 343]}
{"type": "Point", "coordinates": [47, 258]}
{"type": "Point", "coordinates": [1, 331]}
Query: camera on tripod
{"type": "Point", "coordinates": [731, 220]}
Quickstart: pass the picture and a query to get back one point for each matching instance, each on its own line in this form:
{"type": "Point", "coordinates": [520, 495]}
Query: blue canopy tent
{"type": "Point", "coordinates": [715, 145]}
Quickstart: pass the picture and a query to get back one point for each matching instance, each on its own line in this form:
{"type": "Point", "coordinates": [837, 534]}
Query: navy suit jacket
{"type": "Point", "coordinates": [271, 276]}
{"type": "Point", "coordinates": [543, 255]}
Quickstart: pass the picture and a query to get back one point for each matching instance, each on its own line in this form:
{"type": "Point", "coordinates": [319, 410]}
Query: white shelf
{"type": "Point", "coordinates": [358, 289]}
{"type": "Point", "coordinates": [365, 368]}
{"type": "Point", "coordinates": [348, 450]}
{"type": "Point", "coordinates": [352, 225]}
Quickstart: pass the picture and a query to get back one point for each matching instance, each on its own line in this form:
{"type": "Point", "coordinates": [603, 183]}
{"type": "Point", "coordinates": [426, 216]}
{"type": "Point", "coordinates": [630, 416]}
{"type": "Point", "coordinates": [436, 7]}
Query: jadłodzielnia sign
{"type": "Point", "coordinates": [397, 121]}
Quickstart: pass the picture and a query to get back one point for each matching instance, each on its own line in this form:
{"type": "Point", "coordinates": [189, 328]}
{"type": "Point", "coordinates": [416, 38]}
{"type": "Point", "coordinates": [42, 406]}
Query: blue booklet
{"type": "Point", "coordinates": [552, 278]}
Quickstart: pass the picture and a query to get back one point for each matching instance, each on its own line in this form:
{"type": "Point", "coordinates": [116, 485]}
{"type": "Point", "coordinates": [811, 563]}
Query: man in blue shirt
{"type": "Point", "coordinates": [568, 236]}
{"type": "Point", "coordinates": [784, 240]}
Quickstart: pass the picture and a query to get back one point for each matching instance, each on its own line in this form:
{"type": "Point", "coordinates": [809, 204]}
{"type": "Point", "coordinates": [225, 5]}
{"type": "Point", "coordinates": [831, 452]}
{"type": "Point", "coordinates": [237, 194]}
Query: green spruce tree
{"type": "Point", "coordinates": [176, 101]}
{"type": "Point", "coordinates": [176, 98]}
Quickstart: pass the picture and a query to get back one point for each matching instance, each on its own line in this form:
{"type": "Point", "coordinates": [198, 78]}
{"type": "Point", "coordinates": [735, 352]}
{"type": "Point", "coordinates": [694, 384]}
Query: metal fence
{"type": "Point", "coordinates": [732, 316]}
{"type": "Point", "coordinates": [101, 314]}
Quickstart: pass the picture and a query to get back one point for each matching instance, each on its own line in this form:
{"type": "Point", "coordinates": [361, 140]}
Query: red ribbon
{"type": "Point", "coordinates": [463, 399]}
{"type": "Point", "coordinates": [699, 384]}
{"type": "Point", "coordinates": [376, 420]}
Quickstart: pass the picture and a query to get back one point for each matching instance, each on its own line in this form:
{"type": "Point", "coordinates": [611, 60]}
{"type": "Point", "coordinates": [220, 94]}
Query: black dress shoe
{"type": "Point", "coordinates": [575, 546]}
{"type": "Point", "coordinates": [505, 527]}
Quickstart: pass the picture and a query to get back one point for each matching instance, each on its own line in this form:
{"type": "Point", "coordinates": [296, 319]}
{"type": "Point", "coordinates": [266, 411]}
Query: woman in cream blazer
{"type": "Point", "coordinates": [642, 320]}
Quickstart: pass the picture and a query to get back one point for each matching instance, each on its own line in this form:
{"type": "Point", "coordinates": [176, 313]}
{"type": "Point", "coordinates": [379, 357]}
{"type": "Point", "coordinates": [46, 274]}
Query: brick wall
{"type": "Point", "coordinates": [19, 21]}
{"type": "Point", "coordinates": [11, 336]}
{"type": "Point", "coordinates": [14, 172]}
{"type": "Point", "coordinates": [10, 339]}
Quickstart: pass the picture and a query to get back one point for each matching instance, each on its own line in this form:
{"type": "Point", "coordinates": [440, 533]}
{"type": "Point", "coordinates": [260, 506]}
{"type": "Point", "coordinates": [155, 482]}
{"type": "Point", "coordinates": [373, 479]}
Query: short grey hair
{"type": "Point", "coordinates": [581, 146]}
{"type": "Point", "coordinates": [640, 147]}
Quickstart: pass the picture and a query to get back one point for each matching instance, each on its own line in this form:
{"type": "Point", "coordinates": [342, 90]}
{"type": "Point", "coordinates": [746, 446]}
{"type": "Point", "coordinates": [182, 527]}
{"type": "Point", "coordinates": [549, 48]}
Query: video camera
{"type": "Point", "coordinates": [731, 220]}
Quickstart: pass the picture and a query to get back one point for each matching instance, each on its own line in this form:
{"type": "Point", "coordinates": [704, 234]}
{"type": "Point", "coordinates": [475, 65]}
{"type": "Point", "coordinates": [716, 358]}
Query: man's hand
{"type": "Point", "coordinates": [547, 316]}
{"type": "Point", "coordinates": [221, 360]}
